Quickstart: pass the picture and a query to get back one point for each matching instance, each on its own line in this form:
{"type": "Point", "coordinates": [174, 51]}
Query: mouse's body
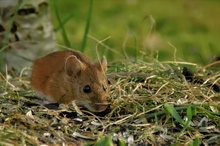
{"type": "Point", "coordinates": [64, 76]}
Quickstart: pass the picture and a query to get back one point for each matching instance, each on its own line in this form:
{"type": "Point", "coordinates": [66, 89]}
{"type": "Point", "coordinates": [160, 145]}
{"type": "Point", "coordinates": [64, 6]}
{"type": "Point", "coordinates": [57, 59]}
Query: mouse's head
{"type": "Point", "coordinates": [88, 83]}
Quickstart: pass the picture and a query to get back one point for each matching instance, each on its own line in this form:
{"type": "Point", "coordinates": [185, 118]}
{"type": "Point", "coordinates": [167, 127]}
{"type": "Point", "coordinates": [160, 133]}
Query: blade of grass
{"type": "Point", "coordinates": [64, 21]}
{"type": "Point", "coordinates": [209, 113]}
{"type": "Point", "coordinates": [64, 34]}
{"type": "Point", "coordinates": [136, 48]}
{"type": "Point", "coordinates": [104, 140]}
{"type": "Point", "coordinates": [194, 108]}
{"type": "Point", "coordinates": [195, 142]}
{"type": "Point", "coordinates": [189, 115]}
{"type": "Point", "coordinates": [124, 46]}
{"type": "Point", "coordinates": [175, 115]}
{"type": "Point", "coordinates": [124, 49]}
{"type": "Point", "coordinates": [162, 112]}
{"type": "Point", "coordinates": [83, 45]}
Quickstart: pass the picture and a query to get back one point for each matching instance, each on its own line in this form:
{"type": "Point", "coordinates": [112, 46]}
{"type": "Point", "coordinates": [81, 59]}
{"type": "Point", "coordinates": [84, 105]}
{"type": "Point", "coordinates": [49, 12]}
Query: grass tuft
{"type": "Point", "coordinates": [151, 103]}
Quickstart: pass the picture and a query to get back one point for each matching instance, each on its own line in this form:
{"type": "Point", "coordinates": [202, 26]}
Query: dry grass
{"type": "Point", "coordinates": [151, 104]}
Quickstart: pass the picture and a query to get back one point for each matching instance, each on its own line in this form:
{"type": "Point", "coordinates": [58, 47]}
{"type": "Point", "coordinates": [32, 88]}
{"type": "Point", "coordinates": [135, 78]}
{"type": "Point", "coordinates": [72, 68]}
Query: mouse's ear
{"type": "Point", "coordinates": [102, 64]}
{"type": "Point", "coordinates": [73, 65]}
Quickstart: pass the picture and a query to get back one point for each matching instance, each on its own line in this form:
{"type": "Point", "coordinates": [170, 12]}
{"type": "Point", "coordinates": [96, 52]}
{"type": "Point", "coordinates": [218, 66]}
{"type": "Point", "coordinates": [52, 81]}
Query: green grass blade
{"type": "Point", "coordinates": [175, 115]}
{"type": "Point", "coordinates": [136, 48]}
{"type": "Point", "coordinates": [195, 142]}
{"type": "Point", "coordinates": [83, 45]}
{"type": "Point", "coordinates": [173, 112]}
{"type": "Point", "coordinates": [189, 115]}
{"type": "Point", "coordinates": [64, 34]}
{"type": "Point", "coordinates": [104, 140]}
{"type": "Point", "coordinates": [65, 20]}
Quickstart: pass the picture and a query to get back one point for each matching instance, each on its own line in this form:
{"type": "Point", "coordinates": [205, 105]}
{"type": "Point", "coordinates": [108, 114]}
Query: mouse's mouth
{"type": "Point", "coordinates": [101, 106]}
{"type": "Point", "coordinates": [94, 107]}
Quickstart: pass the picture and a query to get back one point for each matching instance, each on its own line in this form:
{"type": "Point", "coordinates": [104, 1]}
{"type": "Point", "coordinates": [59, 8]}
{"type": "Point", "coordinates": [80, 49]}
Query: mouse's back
{"type": "Point", "coordinates": [64, 76]}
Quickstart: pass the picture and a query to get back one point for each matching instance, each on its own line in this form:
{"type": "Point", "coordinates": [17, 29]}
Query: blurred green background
{"type": "Point", "coordinates": [185, 30]}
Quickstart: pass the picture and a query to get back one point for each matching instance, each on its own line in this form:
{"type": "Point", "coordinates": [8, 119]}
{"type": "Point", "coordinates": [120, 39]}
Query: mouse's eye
{"type": "Point", "coordinates": [87, 89]}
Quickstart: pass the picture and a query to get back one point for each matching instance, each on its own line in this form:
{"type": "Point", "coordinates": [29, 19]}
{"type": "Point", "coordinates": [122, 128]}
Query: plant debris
{"type": "Point", "coordinates": [151, 104]}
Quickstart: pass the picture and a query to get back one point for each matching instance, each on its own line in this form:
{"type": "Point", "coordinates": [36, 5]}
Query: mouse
{"type": "Point", "coordinates": [69, 75]}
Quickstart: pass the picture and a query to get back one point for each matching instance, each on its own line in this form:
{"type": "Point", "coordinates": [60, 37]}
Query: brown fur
{"type": "Point", "coordinates": [62, 75]}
